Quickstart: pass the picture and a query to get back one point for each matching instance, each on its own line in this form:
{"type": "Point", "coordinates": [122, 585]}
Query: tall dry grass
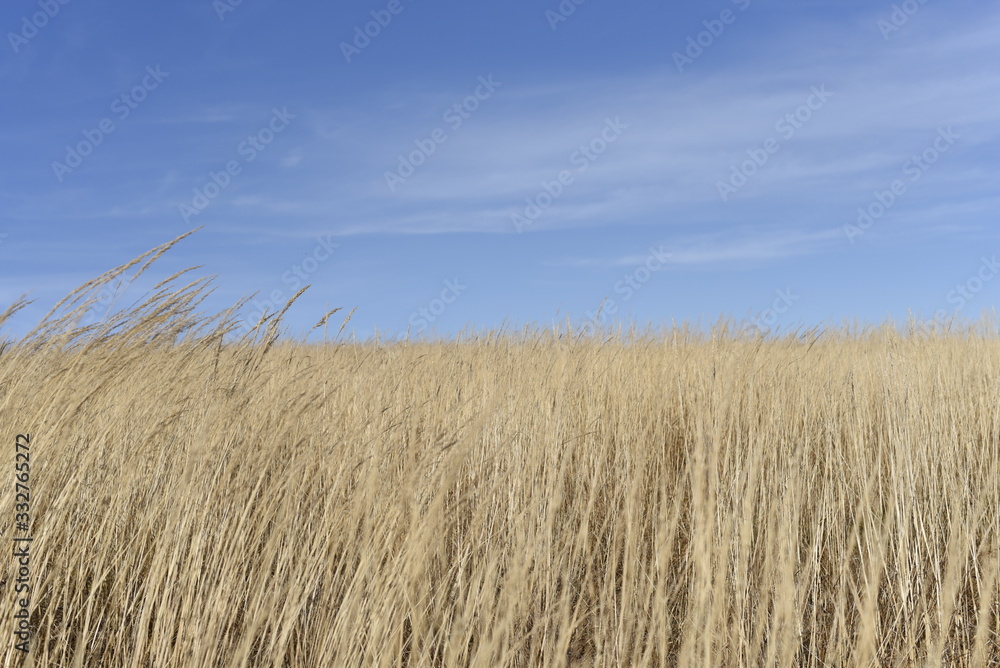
{"type": "Point", "coordinates": [507, 499]}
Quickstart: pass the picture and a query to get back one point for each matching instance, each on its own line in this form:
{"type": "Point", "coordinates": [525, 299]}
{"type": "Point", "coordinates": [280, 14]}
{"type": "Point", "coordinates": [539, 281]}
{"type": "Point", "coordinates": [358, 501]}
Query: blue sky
{"type": "Point", "coordinates": [469, 164]}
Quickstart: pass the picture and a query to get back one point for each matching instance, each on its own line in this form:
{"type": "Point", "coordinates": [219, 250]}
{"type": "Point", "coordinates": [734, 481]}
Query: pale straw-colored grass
{"type": "Point", "coordinates": [505, 499]}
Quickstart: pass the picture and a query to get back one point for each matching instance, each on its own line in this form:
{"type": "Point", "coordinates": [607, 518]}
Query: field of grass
{"type": "Point", "coordinates": [528, 498]}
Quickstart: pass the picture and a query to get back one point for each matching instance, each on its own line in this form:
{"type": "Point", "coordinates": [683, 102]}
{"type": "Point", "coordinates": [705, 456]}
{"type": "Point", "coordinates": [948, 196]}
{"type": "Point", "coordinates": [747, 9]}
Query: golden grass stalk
{"type": "Point", "coordinates": [506, 498]}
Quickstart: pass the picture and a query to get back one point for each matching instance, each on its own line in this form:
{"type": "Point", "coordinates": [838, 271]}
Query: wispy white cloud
{"type": "Point", "coordinates": [684, 133]}
{"type": "Point", "coordinates": [683, 136]}
{"type": "Point", "coordinates": [710, 249]}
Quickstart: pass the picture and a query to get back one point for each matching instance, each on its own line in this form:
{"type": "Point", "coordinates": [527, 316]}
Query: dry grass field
{"type": "Point", "coordinates": [528, 498]}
